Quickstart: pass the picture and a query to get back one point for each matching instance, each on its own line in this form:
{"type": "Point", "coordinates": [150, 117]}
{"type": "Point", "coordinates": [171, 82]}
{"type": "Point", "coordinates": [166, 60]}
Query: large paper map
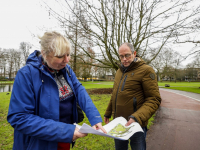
{"type": "Point", "coordinates": [115, 129]}
{"type": "Point", "coordinates": [119, 131]}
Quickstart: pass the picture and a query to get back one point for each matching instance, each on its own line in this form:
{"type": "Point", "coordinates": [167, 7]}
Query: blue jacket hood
{"type": "Point", "coordinates": [34, 59]}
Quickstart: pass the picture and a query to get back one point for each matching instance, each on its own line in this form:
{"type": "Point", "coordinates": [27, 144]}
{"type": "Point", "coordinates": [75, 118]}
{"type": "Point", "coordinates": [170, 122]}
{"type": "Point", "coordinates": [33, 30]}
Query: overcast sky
{"type": "Point", "coordinates": [20, 19]}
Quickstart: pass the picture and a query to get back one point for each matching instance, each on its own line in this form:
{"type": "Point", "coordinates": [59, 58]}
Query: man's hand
{"type": "Point", "coordinates": [99, 126]}
{"type": "Point", "coordinates": [131, 120]}
{"type": "Point", "coordinates": [106, 120]}
{"type": "Point", "coordinates": [78, 134]}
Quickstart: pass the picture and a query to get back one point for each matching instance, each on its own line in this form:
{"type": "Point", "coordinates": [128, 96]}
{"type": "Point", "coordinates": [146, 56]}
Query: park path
{"type": "Point", "coordinates": [177, 122]}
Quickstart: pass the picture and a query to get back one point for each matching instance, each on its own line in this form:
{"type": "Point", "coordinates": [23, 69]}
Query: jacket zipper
{"type": "Point", "coordinates": [134, 104]}
{"type": "Point", "coordinates": [117, 94]}
{"type": "Point", "coordinates": [124, 83]}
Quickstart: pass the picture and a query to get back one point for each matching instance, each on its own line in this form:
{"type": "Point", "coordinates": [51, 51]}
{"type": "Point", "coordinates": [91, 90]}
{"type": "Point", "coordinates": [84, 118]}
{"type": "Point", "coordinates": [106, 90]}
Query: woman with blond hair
{"type": "Point", "coordinates": [43, 105]}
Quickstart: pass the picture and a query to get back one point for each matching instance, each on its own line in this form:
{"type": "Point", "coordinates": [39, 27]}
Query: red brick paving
{"type": "Point", "coordinates": [177, 124]}
{"type": "Point", "coordinates": [172, 100]}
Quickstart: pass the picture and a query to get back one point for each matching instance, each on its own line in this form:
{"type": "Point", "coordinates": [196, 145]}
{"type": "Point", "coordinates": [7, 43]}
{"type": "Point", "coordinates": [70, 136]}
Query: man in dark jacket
{"type": "Point", "coordinates": [135, 95]}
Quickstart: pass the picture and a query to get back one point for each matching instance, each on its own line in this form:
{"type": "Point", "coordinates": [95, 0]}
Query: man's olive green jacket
{"type": "Point", "coordinates": [135, 93]}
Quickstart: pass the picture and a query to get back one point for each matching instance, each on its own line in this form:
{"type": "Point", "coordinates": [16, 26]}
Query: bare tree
{"type": "Point", "coordinates": [73, 34]}
{"type": "Point", "coordinates": [163, 62]}
{"type": "Point", "coordinates": [167, 63]}
{"type": "Point", "coordinates": [77, 37]}
{"type": "Point", "coordinates": [85, 66]}
{"type": "Point", "coordinates": [2, 62]}
{"type": "Point", "coordinates": [158, 65]}
{"type": "Point", "coordinates": [191, 72]}
{"type": "Point", "coordinates": [145, 23]}
{"type": "Point", "coordinates": [10, 61]}
{"type": "Point", "coordinates": [180, 76]}
{"type": "Point", "coordinates": [178, 58]}
{"type": "Point", "coordinates": [196, 60]}
{"type": "Point", "coordinates": [192, 38]}
{"type": "Point", "coordinates": [11, 55]}
{"type": "Point", "coordinates": [17, 61]}
{"type": "Point", "coordinates": [192, 69]}
{"type": "Point", "coordinates": [25, 47]}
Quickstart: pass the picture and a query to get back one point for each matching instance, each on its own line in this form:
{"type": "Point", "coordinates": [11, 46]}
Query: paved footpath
{"type": "Point", "coordinates": [177, 122]}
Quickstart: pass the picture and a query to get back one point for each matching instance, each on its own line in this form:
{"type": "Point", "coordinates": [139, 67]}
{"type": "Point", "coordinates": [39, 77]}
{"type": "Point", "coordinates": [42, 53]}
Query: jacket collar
{"type": "Point", "coordinates": [134, 64]}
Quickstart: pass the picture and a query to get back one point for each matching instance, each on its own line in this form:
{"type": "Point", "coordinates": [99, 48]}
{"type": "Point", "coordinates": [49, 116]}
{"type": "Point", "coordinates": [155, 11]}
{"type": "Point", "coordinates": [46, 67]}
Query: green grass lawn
{"type": "Point", "coordinates": [91, 141]}
{"type": "Point", "coordinates": [6, 131]}
{"type": "Point", "coordinates": [96, 84]}
{"type": "Point", "coordinates": [183, 86]}
{"type": "Point", "coordinates": [96, 142]}
{"type": "Point", "coordinates": [6, 82]}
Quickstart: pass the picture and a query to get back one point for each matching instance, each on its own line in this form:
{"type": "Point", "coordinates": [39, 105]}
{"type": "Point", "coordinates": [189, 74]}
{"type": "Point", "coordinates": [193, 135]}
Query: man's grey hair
{"type": "Point", "coordinates": [130, 46]}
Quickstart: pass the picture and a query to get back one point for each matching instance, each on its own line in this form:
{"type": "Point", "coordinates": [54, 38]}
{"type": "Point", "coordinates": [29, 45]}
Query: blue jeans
{"type": "Point", "coordinates": [137, 141]}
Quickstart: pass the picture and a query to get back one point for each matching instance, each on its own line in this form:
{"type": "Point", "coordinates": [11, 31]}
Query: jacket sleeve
{"type": "Point", "coordinates": [108, 112]}
{"type": "Point", "coordinates": [84, 100]}
{"type": "Point", "coordinates": [109, 109]}
{"type": "Point", "coordinates": [152, 97]}
{"type": "Point", "coordinates": [22, 113]}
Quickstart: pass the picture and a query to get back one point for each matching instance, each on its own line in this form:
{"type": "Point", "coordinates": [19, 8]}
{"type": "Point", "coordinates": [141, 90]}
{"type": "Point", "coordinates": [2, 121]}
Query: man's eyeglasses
{"type": "Point", "coordinates": [126, 56]}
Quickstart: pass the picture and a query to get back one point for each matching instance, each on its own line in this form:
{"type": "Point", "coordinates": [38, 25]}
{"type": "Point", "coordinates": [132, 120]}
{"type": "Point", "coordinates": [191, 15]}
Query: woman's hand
{"type": "Point", "coordinates": [99, 126]}
{"type": "Point", "coordinates": [78, 134]}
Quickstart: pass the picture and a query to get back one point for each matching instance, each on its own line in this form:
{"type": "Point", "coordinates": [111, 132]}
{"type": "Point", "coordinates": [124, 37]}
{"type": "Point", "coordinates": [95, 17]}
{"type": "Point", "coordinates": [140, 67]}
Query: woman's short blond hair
{"type": "Point", "coordinates": [54, 42]}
